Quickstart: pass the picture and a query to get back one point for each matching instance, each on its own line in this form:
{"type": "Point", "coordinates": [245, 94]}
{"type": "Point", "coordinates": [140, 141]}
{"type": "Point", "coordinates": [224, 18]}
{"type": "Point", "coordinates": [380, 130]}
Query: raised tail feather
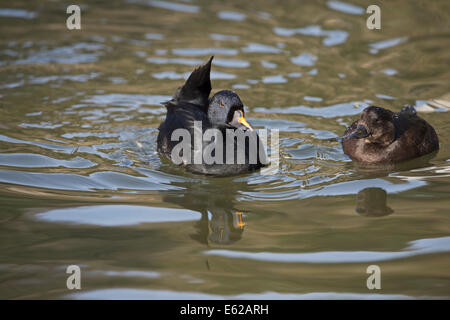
{"type": "Point", "coordinates": [197, 87]}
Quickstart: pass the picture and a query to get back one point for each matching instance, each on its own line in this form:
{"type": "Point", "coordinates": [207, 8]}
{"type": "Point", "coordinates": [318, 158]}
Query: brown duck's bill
{"type": "Point", "coordinates": [359, 133]}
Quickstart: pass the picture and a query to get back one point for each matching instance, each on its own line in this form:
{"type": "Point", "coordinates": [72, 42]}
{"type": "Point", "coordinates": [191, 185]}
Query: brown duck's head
{"type": "Point", "coordinates": [376, 125]}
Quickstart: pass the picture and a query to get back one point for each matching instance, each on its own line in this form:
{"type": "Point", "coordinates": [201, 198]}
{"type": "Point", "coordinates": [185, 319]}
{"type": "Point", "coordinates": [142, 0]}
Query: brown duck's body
{"type": "Point", "coordinates": [382, 136]}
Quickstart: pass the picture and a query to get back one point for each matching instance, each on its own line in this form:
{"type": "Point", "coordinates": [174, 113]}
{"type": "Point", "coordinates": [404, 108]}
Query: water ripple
{"type": "Point", "coordinates": [17, 13]}
{"type": "Point", "coordinates": [151, 294]}
{"type": "Point", "coordinates": [103, 180]}
{"type": "Point", "coordinates": [73, 54]}
{"type": "Point", "coordinates": [418, 247]}
{"type": "Point", "coordinates": [332, 37]}
{"type": "Point", "coordinates": [173, 6]}
{"type": "Point", "coordinates": [117, 215]}
{"type": "Point", "coordinates": [345, 7]}
{"type": "Point", "coordinates": [337, 110]}
{"type": "Point", "coordinates": [231, 15]}
{"type": "Point", "coordinates": [31, 160]}
{"type": "Point", "coordinates": [204, 52]}
{"type": "Point", "coordinates": [381, 45]}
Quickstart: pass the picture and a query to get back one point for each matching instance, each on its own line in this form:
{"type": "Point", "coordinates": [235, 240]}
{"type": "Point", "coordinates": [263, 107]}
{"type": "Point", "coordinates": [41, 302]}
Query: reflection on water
{"type": "Point", "coordinates": [196, 62]}
{"type": "Point", "coordinates": [82, 183]}
{"type": "Point", "coordinates": [377, 46]}
{"type": "Point", "coordinates": [36, 161]}
{"type": "Point", "coordinates": [345, 7]}
{"type": "Point", "coordinates": [338, 110]}
{"type": "Point", "coordinates": [118, 215]}
{"type": "Point", "coordinates": [222, 218]}
{"type": "Point", "coordinates": [17, 13]}
{"type": "Point", "coordinates": [332, 37]}
{"type": "Point", "coordinates": [372, 202]}
{"type": "Point", "coordinates": [418, 247]}
{"type": "Point", "coordinates": [72, 54]}
{"type": "Point", "coordinates": [168, 5]}
{"type": "Point", "coordinates": [230, 15]}
{"type": "Point", "coordinates": [115, 294]}
{"type": "Point", "coordinates": [188, 52]}
{"type": "Point", "coordinates": [260, 48]}
{"type": "Point", "coordinates": [304, 59]}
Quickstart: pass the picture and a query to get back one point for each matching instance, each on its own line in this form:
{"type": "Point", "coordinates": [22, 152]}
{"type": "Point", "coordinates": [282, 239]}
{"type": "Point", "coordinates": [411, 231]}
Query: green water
{"type": "Point", "coordinates": [81, 182]}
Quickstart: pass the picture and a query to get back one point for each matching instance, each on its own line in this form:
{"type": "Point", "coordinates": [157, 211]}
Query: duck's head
{"type": "Point", "coordinates": [376, 125]}
{"type": "Point", "coordinates": [226, 109]}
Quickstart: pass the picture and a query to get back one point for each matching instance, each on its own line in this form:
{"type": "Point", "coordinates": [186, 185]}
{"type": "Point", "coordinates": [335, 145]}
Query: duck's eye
{"type": "Point", "coordinates": [222, 104]}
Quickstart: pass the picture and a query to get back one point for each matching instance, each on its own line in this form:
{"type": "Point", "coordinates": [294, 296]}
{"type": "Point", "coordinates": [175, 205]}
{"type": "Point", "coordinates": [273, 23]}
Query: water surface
{"type": "Point", "coordinates": [81, 182]}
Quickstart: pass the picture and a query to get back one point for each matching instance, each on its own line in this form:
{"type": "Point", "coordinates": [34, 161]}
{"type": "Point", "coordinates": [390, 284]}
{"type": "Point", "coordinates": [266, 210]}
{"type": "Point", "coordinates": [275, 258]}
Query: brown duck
{"type": "Point", "coordinates": [383, 136]}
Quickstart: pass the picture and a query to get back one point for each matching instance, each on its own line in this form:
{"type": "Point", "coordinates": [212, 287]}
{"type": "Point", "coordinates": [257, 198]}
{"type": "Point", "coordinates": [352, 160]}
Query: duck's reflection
{"type": "Point", "coordinates": [222, 222]}
{"type": "Point", "coordinates": [372, 202]}
{"type": "Point", "coordinates": [225, 227]}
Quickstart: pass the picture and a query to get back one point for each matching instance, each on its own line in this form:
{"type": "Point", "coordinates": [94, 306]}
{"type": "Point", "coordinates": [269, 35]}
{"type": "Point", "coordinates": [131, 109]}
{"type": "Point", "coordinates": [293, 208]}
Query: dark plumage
{"type": "Point", "coordinates": [223, 111]}
{"type": "Point", "coordinates": [382, 136]}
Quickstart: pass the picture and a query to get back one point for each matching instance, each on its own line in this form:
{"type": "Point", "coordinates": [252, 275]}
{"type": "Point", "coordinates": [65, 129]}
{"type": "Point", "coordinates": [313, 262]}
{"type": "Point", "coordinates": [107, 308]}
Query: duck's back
{"type": "Point", "coordinates": [418, 139]}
